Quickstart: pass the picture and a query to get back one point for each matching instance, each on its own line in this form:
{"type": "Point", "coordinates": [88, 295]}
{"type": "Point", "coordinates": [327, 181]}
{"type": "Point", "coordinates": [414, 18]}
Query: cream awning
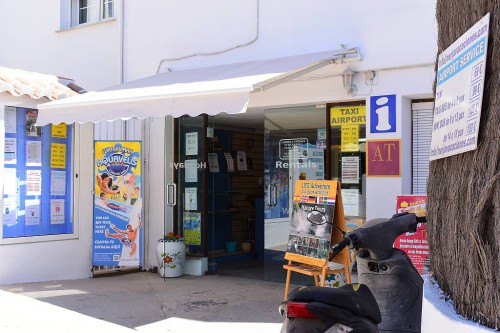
{"type": "Point", "coordinates": [209, 90]}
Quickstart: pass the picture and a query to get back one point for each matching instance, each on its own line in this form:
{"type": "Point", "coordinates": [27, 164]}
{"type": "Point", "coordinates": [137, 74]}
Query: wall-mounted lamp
{"type": "Point", "coordinates": [347, 81]}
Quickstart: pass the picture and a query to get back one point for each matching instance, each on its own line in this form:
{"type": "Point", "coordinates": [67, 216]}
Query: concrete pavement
{"type": "Point", "coordinates": [143, 302]}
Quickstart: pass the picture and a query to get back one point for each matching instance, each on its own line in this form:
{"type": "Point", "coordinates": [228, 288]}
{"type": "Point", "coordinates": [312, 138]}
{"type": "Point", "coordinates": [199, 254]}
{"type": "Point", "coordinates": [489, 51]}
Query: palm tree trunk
{"type": "Point", "coordinates": [464, 190]}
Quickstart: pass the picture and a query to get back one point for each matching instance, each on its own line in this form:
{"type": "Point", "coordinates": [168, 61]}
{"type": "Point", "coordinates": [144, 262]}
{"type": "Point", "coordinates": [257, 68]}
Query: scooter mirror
{"type": "Point", "coordinates": [316, 217]}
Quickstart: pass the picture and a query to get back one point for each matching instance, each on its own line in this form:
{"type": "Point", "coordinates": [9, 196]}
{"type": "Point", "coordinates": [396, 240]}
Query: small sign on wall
{"type": "Point", "coordinates": [383, 158]}
{"type": "Point", "coordinates": [383, 114]}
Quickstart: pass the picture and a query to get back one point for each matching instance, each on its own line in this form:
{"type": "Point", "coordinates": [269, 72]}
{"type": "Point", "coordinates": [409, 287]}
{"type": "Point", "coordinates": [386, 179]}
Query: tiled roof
{"type": "Point", "coordinates": [35, 85]}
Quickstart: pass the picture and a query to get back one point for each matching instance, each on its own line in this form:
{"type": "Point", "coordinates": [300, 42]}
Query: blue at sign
{"type": "Point", "coordinates": [383, 114]}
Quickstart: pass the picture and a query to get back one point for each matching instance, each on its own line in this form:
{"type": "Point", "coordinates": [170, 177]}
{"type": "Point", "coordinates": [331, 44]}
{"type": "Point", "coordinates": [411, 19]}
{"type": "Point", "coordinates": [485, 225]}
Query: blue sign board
{"type": "Point", "coordinates": [383, 114]}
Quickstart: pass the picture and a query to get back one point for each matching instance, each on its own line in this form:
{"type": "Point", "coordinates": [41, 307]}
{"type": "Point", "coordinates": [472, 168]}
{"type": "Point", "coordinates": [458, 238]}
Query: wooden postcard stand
{"type": "Point", "coordinates": [313, 266]}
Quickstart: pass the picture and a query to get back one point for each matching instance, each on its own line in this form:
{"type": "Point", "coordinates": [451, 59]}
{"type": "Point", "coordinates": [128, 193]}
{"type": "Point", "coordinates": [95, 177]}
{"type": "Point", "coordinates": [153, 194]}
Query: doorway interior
{"type": "Point", "coordinates": [235, 182]}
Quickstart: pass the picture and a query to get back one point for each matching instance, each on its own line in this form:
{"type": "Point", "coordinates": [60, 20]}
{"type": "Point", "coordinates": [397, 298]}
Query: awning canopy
{"type": "Point", "coordinates": [209, 90]}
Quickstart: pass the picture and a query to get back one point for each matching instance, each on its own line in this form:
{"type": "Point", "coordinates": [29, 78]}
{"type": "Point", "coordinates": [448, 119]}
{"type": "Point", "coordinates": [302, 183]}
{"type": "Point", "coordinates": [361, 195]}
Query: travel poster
{"type": "Point", "coordinates": [312, 218]}
{"type": "Point", "coordinates": [414, 244]}
{"type": "Point", "coordinates": [192, 228]}
{"type": "Point", "coordinates": [117, 203]}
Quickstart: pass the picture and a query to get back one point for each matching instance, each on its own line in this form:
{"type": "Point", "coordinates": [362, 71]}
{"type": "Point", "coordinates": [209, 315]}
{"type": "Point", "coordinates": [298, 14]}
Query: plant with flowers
{"type": "Point", "coordinates": [171, 259]}
{"type": "Point", "coordinates": [171, 237]}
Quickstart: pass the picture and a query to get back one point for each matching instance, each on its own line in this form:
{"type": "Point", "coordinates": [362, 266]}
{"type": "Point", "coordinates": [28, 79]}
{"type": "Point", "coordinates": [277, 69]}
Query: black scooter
{"type": "Point", "coordinates": [387, 299]}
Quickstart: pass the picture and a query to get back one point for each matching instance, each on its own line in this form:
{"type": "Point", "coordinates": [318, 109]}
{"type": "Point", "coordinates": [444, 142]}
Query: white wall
{"type": "Point", "coordinates": [394, 38]}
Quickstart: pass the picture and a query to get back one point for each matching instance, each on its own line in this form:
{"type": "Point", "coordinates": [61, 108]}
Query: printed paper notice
{"type": "Point", "coordinates": [58, 155]}
{"type": "Point", "coordinates": [191, 171]}
{"type": "Point", "coordinates": [9, 181]}
{"type": "Point", "coordinates": [350, 200]}
{"type": "Point", "coordinates": [57, 182]}
{"type": "Point", "coordinates": [241, 157]}
{"type": "Point", "coordinates": [10, 155]}
{"type": "Point", "coordinates": [33, 182]}
{"type": "Point", "coordinates": [213, 162]}
{"type": "Point", "coordinates": [350, 170]}
{"type": "Point", "coordinates": [32, 212]}
{"type": "Point", "coordinates": [191, 198]}
{"type": "Point", "coordinates": [59, 131]}
{"type": "Point", "coordinates": [33, 153]}
{"type": "Point", "coordinates": [192, 143]}
{"type": "Point", "coordinates": [9, 211]}
{"type": "Point", "coordinates": [230, 162]}
{"type": "Point", "coordinates": [10, 120]}
{"type": "Point", "coordinates": [57, 211]}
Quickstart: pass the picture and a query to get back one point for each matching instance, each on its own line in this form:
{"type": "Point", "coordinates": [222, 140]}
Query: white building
{"type": "Point", "coordinates": [288, 66]}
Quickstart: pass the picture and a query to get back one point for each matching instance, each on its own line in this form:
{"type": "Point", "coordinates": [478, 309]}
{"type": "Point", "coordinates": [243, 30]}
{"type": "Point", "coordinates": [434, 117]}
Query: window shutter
{"type": "Point", "coordinates": [422, 116]}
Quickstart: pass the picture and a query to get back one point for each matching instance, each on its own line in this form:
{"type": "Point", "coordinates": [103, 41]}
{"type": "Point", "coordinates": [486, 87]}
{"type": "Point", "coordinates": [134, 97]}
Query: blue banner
{"type": "Point", "coordinates": [117, 204]}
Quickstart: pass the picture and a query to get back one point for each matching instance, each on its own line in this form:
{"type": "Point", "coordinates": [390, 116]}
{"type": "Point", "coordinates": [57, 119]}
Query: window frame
{"type": "Point", "coordinates": [73, 197]}
{"type": "Point", "coordinates": [75, 12]}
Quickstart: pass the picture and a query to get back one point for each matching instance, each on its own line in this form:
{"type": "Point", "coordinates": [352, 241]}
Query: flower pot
{"type": "Point", "coordinates": [231, 246]}
{"type": "Point", "coordinates": [246, 246]}
{"type": "Point", "coordinates": [171, 256]}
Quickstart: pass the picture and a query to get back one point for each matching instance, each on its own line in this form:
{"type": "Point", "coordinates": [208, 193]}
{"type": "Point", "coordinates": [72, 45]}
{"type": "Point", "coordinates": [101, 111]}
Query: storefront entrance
{"type": "Point", "coordinates": [235, 177]}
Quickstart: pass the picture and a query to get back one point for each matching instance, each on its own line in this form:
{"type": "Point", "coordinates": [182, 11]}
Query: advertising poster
{"type": "Point", "coordinates": [117, 203]}
{"type": "Point", "coordinates": [459, 93]}
{"type": "Point", "coordinates": [414, 244]}
{"type": "Point", "coordinates": [192, 228]}
{"type": "Point", "coordinates": [31, 129]}
{"type": "Point", "coordinates": [312, 215]}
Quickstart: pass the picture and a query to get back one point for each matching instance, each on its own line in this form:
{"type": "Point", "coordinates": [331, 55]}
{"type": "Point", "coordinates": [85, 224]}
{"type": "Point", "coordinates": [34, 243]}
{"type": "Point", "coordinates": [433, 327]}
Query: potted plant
{"type": "Point", "coordinates": [171, 255]}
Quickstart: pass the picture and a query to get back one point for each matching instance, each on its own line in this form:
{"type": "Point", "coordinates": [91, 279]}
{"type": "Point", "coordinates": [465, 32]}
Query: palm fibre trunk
{"type": "Point", "coordinates": [464, 190]}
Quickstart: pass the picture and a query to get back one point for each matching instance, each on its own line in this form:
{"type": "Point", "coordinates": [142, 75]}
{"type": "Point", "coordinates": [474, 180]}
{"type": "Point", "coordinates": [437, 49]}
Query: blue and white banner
{"type": "Point", "coordinates": [117, 204]}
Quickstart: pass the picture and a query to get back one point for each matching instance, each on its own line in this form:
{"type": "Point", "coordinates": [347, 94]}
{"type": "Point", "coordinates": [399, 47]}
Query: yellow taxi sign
{"type": "Point", "coordinates": [347, 115]}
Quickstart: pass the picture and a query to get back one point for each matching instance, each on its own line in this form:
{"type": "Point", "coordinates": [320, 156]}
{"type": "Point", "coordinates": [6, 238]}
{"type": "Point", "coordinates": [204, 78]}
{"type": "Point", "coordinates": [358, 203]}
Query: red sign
{"type": "Point", "coordinates": [414, 244]}
{"type": "Point", "coordinates": [383, 158]}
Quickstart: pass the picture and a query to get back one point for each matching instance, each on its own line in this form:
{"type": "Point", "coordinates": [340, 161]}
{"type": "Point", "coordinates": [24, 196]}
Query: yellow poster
{"type": "Point", "coordinates": [192, 228]}
{"type": "Point", "coordinates": [58, 155]}
{"type": "Point", "coordinates": [59, 131]}
{"type": "Point", "coordinates": [348, 115]}
{"type": "Point", "coordinates": [350, 138]}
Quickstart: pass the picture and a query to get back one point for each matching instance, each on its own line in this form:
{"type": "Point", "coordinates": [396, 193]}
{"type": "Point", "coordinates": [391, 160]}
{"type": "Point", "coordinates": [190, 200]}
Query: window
{"type": "Point", "coordinates": [37, 177]}
{"type": "Point", "coordinates": [90, 11]}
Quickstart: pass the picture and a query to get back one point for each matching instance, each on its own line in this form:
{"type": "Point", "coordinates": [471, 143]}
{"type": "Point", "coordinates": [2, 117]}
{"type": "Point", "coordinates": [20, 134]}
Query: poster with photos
{"type": "Point", "coordinates": [312, 218]}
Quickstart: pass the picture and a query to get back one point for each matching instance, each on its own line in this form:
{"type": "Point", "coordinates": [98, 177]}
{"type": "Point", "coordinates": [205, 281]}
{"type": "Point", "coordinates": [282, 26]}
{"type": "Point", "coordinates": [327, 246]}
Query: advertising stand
{"type": "Point", "coordinates": [317, 211]}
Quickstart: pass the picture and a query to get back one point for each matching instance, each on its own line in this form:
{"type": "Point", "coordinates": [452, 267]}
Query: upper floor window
{"type": "Point", "coordinates": [90, 11]}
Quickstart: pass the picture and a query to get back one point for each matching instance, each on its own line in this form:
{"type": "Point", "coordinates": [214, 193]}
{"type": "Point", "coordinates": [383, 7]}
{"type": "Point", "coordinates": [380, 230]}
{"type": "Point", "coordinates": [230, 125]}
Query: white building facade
{"type": "Point", "coordinates": [377, 52]}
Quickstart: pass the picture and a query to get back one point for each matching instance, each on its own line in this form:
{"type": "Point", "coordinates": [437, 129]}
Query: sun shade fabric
{"type": "Point", "coordinates": [18, 83]}
{"type": "Point", "coordinates": [209, 90]}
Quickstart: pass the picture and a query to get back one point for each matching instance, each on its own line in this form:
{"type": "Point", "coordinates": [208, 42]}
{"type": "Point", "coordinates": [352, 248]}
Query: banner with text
{"type": "Point", "coordinates": [459, 93]}
{"type": "Point", "coordinates": [312, 215]}
{"type": "Point", "coordinates": [117, 203]}
{"type": "Point", "coordinates": [414, 243]}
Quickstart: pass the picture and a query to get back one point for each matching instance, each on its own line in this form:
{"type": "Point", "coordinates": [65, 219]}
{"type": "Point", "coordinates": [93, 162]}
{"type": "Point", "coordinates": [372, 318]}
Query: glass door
{"type": "Point", "coordinates": [191, 181]}
{"type": "Point", "coordinates": [295, 148]}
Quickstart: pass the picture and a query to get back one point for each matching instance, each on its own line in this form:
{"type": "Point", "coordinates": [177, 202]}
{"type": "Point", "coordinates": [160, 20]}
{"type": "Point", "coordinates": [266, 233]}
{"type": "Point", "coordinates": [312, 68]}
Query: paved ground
{"type": "Point", "coordinates": [143, 302]}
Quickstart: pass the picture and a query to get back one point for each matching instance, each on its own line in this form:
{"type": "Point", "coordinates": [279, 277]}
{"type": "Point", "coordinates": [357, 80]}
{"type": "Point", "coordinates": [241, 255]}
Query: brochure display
{"type": "Point", "coordinates": [317, 212]}
{"type": "Point", "coordinates": [414, 243]}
